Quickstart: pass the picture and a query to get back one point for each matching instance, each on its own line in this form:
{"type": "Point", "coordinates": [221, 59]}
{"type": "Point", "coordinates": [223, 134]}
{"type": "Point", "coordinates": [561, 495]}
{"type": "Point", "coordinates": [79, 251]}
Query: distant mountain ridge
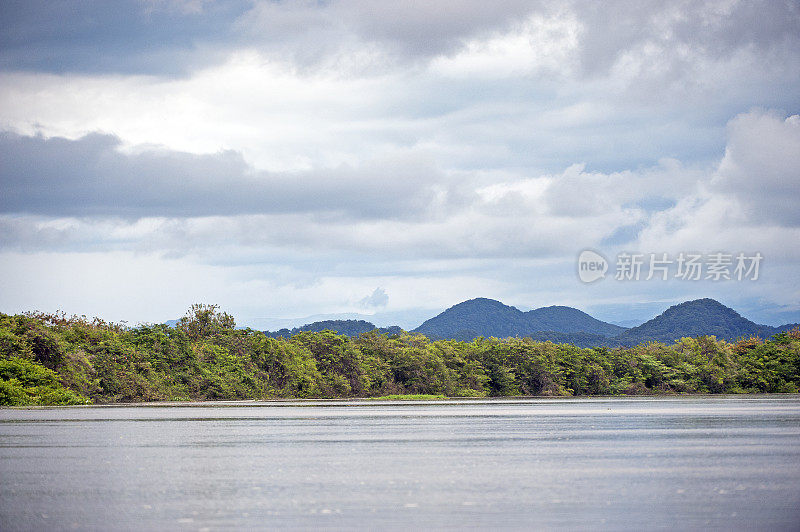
{"type": "Point", "coordinates": [487, 317]}
{"type": "Point", "coordinates": [490, 318]}
{"type": "Point", "coordinates": [346, 327]}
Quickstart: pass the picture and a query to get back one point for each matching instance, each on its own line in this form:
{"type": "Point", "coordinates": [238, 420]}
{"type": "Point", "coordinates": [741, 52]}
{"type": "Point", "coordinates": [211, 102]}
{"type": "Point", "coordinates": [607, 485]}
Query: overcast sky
{"type": "Point", "coordinates": [289, 159]}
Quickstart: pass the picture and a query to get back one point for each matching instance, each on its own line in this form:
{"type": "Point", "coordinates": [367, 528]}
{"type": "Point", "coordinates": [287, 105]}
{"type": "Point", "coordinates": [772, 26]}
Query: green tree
{"type": "Point", "coordinates": [203, 321]}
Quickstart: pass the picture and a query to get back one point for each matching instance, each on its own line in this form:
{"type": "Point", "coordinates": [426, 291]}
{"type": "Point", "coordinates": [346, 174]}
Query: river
{"type": "Point", "coordinates": [719, 463]}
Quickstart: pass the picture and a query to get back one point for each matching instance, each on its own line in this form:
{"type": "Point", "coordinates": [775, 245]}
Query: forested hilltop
{"type": "Point", "coordinates": [55, 359]}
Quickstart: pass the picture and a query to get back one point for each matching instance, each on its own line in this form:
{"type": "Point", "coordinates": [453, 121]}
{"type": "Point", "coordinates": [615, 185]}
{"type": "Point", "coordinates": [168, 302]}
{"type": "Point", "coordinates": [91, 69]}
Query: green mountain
{"type": "Point", "coordinates": [697, 318]}
{"type": "Point", "coordinates": [487, 317]}
{"type": "Point", "coordinates": [569, 320]}
{"type": "Point", "coordinates": [475, 317]}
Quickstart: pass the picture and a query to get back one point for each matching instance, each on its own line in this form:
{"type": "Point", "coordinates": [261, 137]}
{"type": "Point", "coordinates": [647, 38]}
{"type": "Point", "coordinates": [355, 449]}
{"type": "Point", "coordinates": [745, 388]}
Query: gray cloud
{"type": "Point", "coordinates": [707, 28]}
{"type": "Point", "coordinates": [173, 37]}
{"type": "Point", "coordinates": [129, 36]}
{"type": "Point", "coordinates": [311, 33]}
{"type": "Point", "coordinates": [91, 177]}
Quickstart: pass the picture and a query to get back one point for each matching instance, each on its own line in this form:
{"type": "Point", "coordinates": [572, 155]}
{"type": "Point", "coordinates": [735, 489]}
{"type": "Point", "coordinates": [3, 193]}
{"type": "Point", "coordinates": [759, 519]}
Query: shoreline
{"type": "Point", "coordinates": [368, 401]}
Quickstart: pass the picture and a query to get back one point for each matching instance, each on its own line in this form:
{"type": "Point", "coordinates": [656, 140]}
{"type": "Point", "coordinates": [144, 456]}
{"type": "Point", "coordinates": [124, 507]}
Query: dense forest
{"type": "Point", "coordinates": [50, 359]}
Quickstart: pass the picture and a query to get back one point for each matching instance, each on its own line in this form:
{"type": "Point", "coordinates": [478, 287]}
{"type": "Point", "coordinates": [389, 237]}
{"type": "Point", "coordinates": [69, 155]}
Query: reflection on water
{"type": "Point", "coordinates": [613, 463]}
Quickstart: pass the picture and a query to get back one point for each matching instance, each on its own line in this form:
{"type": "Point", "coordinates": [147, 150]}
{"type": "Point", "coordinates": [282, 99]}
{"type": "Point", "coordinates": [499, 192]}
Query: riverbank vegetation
{"type": "Point", "coordinates": [54, 359]}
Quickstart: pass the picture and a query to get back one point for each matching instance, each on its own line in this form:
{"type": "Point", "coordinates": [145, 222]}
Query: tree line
{"type": "Point", "coordinates": [50, 359]}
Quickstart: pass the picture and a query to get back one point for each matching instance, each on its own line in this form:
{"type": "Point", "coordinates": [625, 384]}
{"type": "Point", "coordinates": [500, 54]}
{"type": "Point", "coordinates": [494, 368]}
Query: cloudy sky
{"type": "Point", "coordinates": [390, 159]}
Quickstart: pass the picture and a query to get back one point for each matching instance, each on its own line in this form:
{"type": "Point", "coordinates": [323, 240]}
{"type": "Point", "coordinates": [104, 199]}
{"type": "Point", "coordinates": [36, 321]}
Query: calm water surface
{"type": "Point", "coordinates": [599, 463]}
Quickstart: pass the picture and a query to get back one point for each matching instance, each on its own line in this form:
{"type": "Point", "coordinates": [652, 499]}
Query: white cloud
{"type": "Point", "coordinates": [278, 120]}
{"type": "Point", "coordinates": [761, 166]}
{"type": "Point", "coordinates": [378, 298]}
{"type": "Point", "coordinates": [542, 44]}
